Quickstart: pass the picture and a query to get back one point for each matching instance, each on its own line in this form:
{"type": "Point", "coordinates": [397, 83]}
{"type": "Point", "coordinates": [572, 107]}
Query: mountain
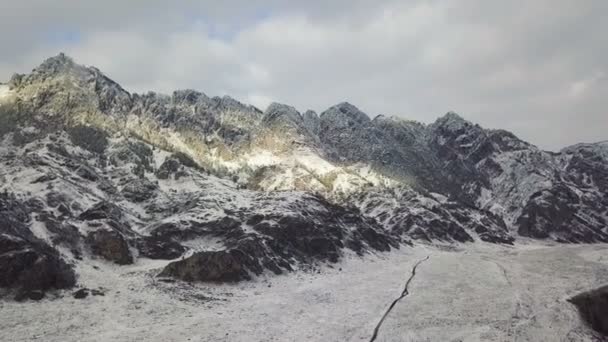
{"type": "Point", "coordinates": [89, 170]}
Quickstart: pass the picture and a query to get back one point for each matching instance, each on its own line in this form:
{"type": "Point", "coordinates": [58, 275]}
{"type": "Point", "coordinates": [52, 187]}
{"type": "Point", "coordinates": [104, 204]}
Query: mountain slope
{"type": "Point", "coordinates": [103, 173]}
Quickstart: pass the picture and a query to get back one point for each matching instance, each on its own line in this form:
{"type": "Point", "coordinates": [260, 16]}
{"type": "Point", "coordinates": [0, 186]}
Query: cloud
{"type": "Point", "coordinates": [536, 68]}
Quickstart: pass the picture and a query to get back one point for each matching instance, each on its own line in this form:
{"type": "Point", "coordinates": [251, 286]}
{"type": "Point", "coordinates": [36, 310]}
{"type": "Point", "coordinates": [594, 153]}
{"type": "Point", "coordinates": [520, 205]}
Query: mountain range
{"type": "Point", "coordinates": [227, 191]}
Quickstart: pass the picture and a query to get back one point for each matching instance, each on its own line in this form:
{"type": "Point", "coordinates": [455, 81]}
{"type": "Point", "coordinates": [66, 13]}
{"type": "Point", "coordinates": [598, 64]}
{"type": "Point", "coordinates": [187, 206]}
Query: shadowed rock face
{"type": "Point", "coordinates": [27, 264]}
{"type": "Point", "coordinates": [111, 246]}
{"type": "Point", "coordinates": [593, 307]}
{"type": "Point", "coordinates": [221, 266]}
{"type": "Point", "coordinates": [32, 266]}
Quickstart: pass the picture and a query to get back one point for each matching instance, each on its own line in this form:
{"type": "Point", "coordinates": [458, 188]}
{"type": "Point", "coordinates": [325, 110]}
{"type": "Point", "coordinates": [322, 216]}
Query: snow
{"type": "Point", "coordinates": [261, 159]}
{"type": "Point", "coordinates": [4, 92]}
{"type": "Point", "coordinates": [467, 292]}
{"type": "Point", "coordinates": [439, 197]}
{"type": "Point", "coordinates": [39, 230]}
{"type": "Point", "coordinates": [315, 163]}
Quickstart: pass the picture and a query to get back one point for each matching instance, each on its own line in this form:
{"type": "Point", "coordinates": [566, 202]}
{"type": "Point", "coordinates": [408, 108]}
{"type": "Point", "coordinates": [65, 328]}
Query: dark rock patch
{"type": "Point", "coordinates": [110, 245]}
{"type": "Point", "coordinates": [593, 308]}
{"type": "Point", "coordinates": [102, 210]}
{"type": "Point", "coordinates": [559, 212]}
{"type": "Point", "coordinates": [81, 293]}
{"type": "Point", "coordinates": [27, 264]}
{"type": "Point", "coordinates": [87, 172]}
{"type": "Point", "coordinates": [29, 294]}
{"type": "Point", "coordinates": [89, 138]}
{"type": "Point", "coordinates": [158, 248]}
{"type": "Point", "coordinates": [171, 166]}
{"type": "Point", "coordinates": [220, 266]}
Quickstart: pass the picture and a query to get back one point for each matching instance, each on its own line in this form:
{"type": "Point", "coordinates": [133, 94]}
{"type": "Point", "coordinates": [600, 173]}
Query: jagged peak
{"type": "Point", "coordinates": [277, 111]}
{"type": "Point", "coordinates": [60, 59]}
{"type": "Point", "coordinates": [452, 121]}
{"type": "Point", "coordinates": [231, 104]}
{"type": "Point", "coordinates": [189, 96]}
{"type": "Point", "coordinates": [63, 65]}
{"type": "Point", "coordinates": [452, 116]}
{"type": "Point", "coordinates": [57, 64]}
{"type": "Point", "coordinates": [599, 146]}
{"type": "Point", "coordinates": [348, 110]}
{"type": "Point", "coordinates": [310, 114]}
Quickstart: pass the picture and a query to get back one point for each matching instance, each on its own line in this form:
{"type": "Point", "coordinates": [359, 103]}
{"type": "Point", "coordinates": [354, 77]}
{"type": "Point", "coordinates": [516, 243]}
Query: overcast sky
{"type": "Point", "coordinates": [538, 67]}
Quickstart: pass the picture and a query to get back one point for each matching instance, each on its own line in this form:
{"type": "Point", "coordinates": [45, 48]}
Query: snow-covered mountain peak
{"type": "Point", "coordinates": [336, 154]}
{"type": "Point", "coordinates": [57, 64]}
{"type": "Point", "coordinates": [452, 121]}
{"type": "Point", "coordinates": [278, 111]}
{"type": "Point", "coordinates": [344, 115]}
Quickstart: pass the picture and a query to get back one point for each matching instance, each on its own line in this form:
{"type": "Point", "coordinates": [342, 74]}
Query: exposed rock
{"type": "Point", "coordinates": [169, 167]}
{"type": "Point", "coordinates": [158, 248]}
{"type": "Point", "coordinates": [110, 245]}
{"type": "Point", "coordinates": [132, 153]}
{"type": "Point", "coordinates": [97, 292]}
{"type": "Point", "coordinates": [593, 308]}
{"type": "Point", "coordinates": [559, 212]}
{"type": "Point", "coordinates": [139, 190]}
{"type": "Point", "coordinates": [27, 264]}
{"type": "Point", "coordinates": [102, 210]}
{"type": "Point", "coordinates": [89, 138]}
{"type": "Point", "coordinates": [32, 266]}
{"type": "Point", "coordinates": [81, 293]}
{"type": "Point", "coordinates": [87, 173]}
{"type": "Point", "coordinates": [220, 266]}
{"type": "Point", "coordinates": [29, 294]}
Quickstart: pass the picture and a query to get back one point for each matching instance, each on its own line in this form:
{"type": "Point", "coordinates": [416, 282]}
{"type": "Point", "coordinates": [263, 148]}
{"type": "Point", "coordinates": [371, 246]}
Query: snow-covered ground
{"type": "Point", "coordinates": [475, 292]}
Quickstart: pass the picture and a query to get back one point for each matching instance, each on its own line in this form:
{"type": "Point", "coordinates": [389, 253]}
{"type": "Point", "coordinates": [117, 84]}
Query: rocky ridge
{"type": "Point", "coordinates": [93, 171]}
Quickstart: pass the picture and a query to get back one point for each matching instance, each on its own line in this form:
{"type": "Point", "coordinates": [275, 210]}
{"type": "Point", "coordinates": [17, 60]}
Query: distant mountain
{"type": "Point", "coordinates": [88, 169]}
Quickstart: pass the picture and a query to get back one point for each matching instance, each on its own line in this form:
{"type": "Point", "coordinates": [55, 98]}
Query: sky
{"type": "Point", "coordinates": [538, 68]}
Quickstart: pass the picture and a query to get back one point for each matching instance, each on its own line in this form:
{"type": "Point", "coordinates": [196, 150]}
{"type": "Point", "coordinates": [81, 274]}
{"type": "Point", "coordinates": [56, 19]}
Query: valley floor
{"type": "Point", "coordinates": [475, 292]}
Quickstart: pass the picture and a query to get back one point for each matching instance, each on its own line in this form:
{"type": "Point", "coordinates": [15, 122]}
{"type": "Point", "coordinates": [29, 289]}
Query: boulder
{"type": "Point", "coordinates": [158, 248]}
{"type": "Point", "coordinates": [110, 245]}
{"type": "Point", "coordinates": [32, 266]}
{"type": "Point", "coordinates": [593, 308]}
{"type": "Point", "coordinates": [81, 293]}
{"type": "Point", "coordinates": [215, 266]}
{"type": "Point", "coordinates": [27, 264]}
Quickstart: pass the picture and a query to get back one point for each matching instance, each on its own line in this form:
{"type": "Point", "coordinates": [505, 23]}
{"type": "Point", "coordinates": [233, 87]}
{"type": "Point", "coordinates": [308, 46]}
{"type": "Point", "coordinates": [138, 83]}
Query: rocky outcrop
{"type": "Point", "coordinates": [102, 210]}
{"type": "Point", "coordinates": [110, 245]}
{"type": "Point", "coordinates": [427, 218]}
{"type": "Point", "coordinates": [158, 248]}
{"type": "Point", "coordinates": [28, 266]}
{"type": "Point", "coordinates": [559, 212]}
{"type": "Point", "coordinates": [31, 267]}
{"type": "Point", "coordinates": [593, 308]}
{"type": "Point", "coordinates": [220, 266]}
{"type": "Point", "coordinates": [139, 190]}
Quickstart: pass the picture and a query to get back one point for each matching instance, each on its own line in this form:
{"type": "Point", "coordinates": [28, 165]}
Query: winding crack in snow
{"type": "Point", "coordinates": [403, 295]}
